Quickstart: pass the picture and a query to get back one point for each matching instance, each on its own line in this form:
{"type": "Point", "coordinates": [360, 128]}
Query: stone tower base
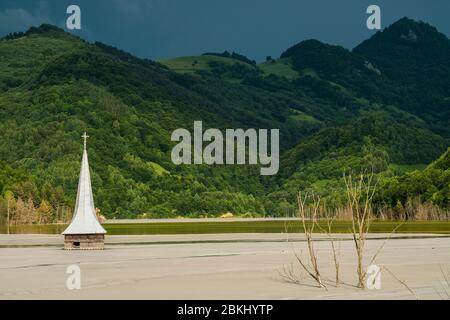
{"type": "Point", "coordinates": [84, 242]}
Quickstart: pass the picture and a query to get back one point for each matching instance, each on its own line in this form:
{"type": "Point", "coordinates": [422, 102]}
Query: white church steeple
{"type": "Point", "coordinates": [84, 221]}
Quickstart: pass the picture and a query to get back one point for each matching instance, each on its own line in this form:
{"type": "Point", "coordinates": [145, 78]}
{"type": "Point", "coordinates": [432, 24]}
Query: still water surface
{"type": "Point", "coordinates": [272, 226]}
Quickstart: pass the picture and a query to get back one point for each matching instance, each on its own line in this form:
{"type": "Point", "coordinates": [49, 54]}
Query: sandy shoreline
{"type": "Point", "coordinates": [225, 266]}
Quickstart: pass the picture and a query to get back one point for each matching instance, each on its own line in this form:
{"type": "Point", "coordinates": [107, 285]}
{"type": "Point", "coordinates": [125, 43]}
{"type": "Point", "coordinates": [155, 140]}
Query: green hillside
{"type": "Point", "coordinates": [280, 68]}
{"type": "Point", "coordinates": [335, 111]}
{"type": "Point", "coordinates": [416, 57]}
{"type": "Point", "coordinates": [201, 63]}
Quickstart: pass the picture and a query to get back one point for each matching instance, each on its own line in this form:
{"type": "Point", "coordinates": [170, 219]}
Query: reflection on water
{"type": "Point", "coordinates": [272, 226]}
{"type": "Point", "coordinates": [33, 229]}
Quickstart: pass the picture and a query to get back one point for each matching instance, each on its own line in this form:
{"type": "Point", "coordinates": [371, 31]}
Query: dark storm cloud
{"type": "Point", "coordinates": [256, 28]}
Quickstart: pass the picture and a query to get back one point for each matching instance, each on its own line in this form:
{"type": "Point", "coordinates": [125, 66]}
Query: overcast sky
{"type": "Point", "coordinates": [257, 28]}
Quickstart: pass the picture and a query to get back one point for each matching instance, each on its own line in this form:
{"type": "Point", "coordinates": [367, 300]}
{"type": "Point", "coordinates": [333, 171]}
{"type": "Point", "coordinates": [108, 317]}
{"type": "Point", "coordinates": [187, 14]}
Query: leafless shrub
{"type": "Point", "coordinates": [414, 209]}
{"type": "Point", "coordinates": [336, 251]}
{"type": "Point", "coordinates": [309, 211]}
{"type": "Point", "coordinates": [289, 274]}
{"type": "Point", "coordinates": [360, 192]}
{"type": "Point", "coordinates": [329, 217]}
{"type": "Point", "coordinates": [343, 213]}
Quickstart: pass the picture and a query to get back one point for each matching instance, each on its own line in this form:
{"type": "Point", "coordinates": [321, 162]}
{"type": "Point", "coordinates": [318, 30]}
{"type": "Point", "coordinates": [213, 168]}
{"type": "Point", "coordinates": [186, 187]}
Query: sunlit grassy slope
{"type": "Point", "coordinates": [191, 64]}
{"type": "Point", "coordinates": [197, 63]}
{"type": "Point", "coordinates": [279, 67]}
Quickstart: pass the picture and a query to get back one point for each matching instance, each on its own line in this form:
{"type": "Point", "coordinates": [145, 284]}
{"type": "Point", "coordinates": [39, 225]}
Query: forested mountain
{"type": "Point", "coordinates": [337, 110]}
{"type": "Point", "coordinates": [415, 57]}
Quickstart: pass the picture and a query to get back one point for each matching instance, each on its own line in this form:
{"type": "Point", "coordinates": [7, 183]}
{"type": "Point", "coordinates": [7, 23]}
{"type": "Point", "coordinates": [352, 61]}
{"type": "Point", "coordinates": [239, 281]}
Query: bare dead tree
{"type": "Point", "coordinates": [360, 193]}
{"type": "Point", "coordinates": [384, 243]}
{"type": "Point", "coordinates": [336, 251]}
{"type": "Point", "coordinates": [402, 282]}
{"type": "Point", "coordinates": [309, 211]}
{"type": "Point", "coordinates": [330, 217]}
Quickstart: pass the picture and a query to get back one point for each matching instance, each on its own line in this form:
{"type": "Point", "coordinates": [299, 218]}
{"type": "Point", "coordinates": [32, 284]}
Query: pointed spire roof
{"type": "Point", "coordinates": [84, 219]}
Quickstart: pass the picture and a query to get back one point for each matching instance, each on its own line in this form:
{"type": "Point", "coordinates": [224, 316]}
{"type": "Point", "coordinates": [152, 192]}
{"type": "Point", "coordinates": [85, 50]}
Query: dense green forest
{"type": "Point", "coordinates": [383, 107]}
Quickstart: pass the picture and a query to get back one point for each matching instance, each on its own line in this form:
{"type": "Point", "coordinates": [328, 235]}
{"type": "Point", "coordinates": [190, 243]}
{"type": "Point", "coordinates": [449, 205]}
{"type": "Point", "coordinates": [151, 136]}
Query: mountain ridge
{"type": "Point", "coordinates": [54, 86]}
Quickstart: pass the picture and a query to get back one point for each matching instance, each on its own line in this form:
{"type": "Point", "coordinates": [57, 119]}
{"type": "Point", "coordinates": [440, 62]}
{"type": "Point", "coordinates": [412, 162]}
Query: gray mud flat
{"type": "Point", "coordinates": [227, 266]}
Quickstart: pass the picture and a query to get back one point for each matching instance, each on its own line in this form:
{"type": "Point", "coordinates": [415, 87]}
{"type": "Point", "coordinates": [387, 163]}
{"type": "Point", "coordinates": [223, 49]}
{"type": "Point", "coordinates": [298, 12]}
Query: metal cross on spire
{"type": "Point", "coordinates": [85, 136]}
